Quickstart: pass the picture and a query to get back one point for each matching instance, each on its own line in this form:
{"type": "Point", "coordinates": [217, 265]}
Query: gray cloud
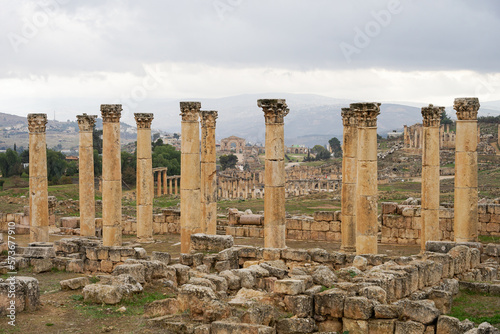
{"type": "Point", "coordinates": [120, 36]}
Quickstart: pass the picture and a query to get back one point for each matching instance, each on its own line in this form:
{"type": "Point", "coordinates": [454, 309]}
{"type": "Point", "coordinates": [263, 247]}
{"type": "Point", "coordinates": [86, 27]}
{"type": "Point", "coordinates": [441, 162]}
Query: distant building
{"type": "Point", "coordinates": [394, 134]}
{"type": "Point", "coordinates": [297, 149]}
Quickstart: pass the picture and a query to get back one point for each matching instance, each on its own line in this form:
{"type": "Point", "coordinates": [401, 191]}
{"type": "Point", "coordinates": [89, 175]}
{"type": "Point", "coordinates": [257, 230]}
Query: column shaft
{"type": "Point", "coordinates": [190, 174]}
{"type": "Point", "coordinates": [39, 203]}
{"type": "Point", "coordinates": [349, 174]}
{"type": "Point", "coordinates": [366, 188]}
{"type": "Point", "coordinates": [274, 190]}
{"type": "Point", "coordinates": [145, 180]}
{"type": "Point", "coordinates": [86, 175]}
{"type": "Point", "coordinates": [466, 197]}
{"type": "Point", "coordinates": [208, 173]}
{"type": "Point", "coordinates": [111, 175]}
{"type": "Point", "coordinates": [430, 175]}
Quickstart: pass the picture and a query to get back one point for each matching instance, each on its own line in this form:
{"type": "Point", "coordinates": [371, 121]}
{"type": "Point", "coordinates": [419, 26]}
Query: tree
{"type": "Point", "coordinates": [165, 155]}
{"type": "Point", "coordinates": [336, 147]}
{"type": "Point", "coordinates": [445, 119]}
{"type": "Point", "coordinates": [228, 161]}
{"type": "Point", "coordinates": [97, 164]}
{"type": "Point", "coordinates": [321, 152]}
{"type": "Point", "coordinates": [10, 163]}
{"type": "Point", "coordinates": [129, 167]}
{"type": "Point", "coordinates": [56, 165]}
{"type": "Point", "coordinates": [97, 140]}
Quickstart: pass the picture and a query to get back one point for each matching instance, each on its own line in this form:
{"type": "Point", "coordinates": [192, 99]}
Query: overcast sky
{"type": "Point", "coordinates": [424, 51]}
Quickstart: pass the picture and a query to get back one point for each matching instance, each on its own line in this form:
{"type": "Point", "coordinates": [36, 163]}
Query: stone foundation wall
{"type": "Point", "coordinates": [402, 223]}
{"type": "Point", "coordinates": [323, 226]}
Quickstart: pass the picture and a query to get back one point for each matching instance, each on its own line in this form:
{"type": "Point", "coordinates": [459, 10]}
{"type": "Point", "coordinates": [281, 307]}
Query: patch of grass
{"type": "Point", "coordinates": [4, 253]}
{"type": "Point", "coordinates": [477, 307]}
{"type": "Point", "coordinates": [54, 270]}
{"type": "Point", "coordinates": [324, 288]}
{"type": "Point", "coordinates": [489, 239]}
{"type": "Point", "coordinates": [94, 280]}
{"type": "Point", "coordinates": [134, 306]}
{"type": "Point", "coordinates": [49, 324]}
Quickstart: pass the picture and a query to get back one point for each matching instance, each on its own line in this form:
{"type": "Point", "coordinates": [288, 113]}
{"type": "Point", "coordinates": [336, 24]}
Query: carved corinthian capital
{"type": "Point", "coordinates": [275, 110]}
{"type": "Point", "coordinates": [86, 122]}
{"type": "Point", "coordinates": [349, 117]}
{"type": "Point", "coordinates": [208, 118]}
{"type": "Point", "coordinates": [366, 113]}
{"type": "Point", "coordinates": [466, 108]}
{"type": "Point", "coordinates": [190, 111]}
{"type": "Point", "coordinates": [432, 115]}
{"type": "Point", "coordinates": [143, 120]}
{"type": "Point", "coordinates": [111, 113]}
{"type": "Point", "coordinates": [37, 122]}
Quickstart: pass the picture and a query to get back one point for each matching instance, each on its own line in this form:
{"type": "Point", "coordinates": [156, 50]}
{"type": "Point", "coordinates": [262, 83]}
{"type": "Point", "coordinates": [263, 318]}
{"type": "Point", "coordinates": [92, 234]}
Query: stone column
{"type": "Point", "coordinates": [158, 183]}
{"type": "Point", "coordinates": [208, 173]}
{"type": "Point", "coordinates": [176, 185]}
{"type": "Point", "coordinates": [430, 175]}
{"type": "Point", "coordinates": [86, 175]}
{"type": "Point", "coordinates": [274, 191]}
{"type": "Point", "coordinates": [466, 216]}
{"type": "Point", "coordinates": [366, 188]}
{"type": "Point", "coordinates": [349, 168]}
{"type": "Point", "coordinates": [39, 203]}
{"type": "Point", "coordinates": [111, 175]}
{"type": "Point", "coordinates": [170, 186]}
{"type": "Point", "coordinates": [145, 180]}
{"type": "Point", "coordinates": [165, 184]}
{"type": "Point", "coordinates": [190, 173]}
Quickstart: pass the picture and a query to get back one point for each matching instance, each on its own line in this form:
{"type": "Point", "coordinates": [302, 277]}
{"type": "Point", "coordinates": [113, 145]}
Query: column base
{"type": "Point", "coordinates": [144, 240]}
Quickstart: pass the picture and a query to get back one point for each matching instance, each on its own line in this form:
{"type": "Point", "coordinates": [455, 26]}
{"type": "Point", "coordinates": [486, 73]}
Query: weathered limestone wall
{"type": "Point", "coordinates": [190, 174]}
{"type": "Point", "coordinates": [111, 175]}
{"type": "Point", "coordinates": [402, 223]}
{"type": "Point", "coordinates": [86, 175]}
{"type": "Point", "coordinates": [145, 181]}
{"type": "Point", "coordinates": [274, 199]}
{"type": "Point", "coordinates": [39, 205]}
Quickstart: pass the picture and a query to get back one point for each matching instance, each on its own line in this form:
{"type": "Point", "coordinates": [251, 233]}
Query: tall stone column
{"type": "Point", "coordinates": [430, 174]}
{"type": "Point", "coordinates": [366, 188]}
{"type": "Point", "coordinates": [275, 111]}
{"type": "Point", "coordinates": [165, 185]}
{"type": "Point", "coordinates": [466, 216]}
{"type": "Point", "coordinates": [145, 180]}
{"type": "Point", "coordinates": [111, 175]}
{"type": "Point", "coordinates": [208, 172]}
{"type": "Point", "coordinates": [158, 183]}
{"type": "Point", "coordinates": [86, 175]}
{"type": "Point", "coordinates": [170, 186]}
{"type": "Point", "coordinates": [349, 175]}
{"type": "Point", "coordinates": [39, 202]}
{"type": "Point", "coordinates": [190, 173]}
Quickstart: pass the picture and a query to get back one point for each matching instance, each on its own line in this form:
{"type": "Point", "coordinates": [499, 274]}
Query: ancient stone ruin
{"type": "Point", "coordinates": [218, 287]}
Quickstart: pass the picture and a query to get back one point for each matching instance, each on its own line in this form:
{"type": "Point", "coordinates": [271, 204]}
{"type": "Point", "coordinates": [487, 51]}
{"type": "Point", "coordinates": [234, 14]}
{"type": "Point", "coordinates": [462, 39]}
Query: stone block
{"type": "Point", "coordinates": [137, 271]}
{"type": "Point", "coordinates": [320, 226]}
{"type": "Point", "coordinates": [74, 283]}
{"type": "Point", "coordinates": [289, 287]}
{"type": "Point", "coordinates": [161, 307]}
{"type": "Point", "coordinates": [69, 222]}
{"type": "Point", "coordinates": [323, 216]}
{"type": "Point", "coordinates": [300, 305]}
{"type": "Point", "coordinates": [330, 303]}
{"type": "Point", "coordinates": [220, 327]}
{"type": "Point", "coordinates": [422, 311]}
{"type": "Point", "coordinates": [387, 311]}
{"type": "Point", "coordinates": [76, 266]}
{"type": "Point", "coordinates": [358, 308]}
{"type": "Point", "coordinates": [389, 208]}
{"type": "Point", "coordinates": [99, 294]}
{"type": "Point", "coordinates": [409, 327]}
{"type": "Point", "coordinates": [300, 255]}
{"type": "Point", "coordinates": [41, 265]}
{"type": "Point", "coordinates": [36, 252]}
{"type": "Point", "coordinates": [353, 326]}
{"type": "Point", "coordinates": [215, 243]}
{"type": "Point", "coordinates": [296, 325]}
{"type": "Point", "coordinates": [161, 256]}
{"type": "Point", "coordinates": [328, 326]}
{"type": "Point", "coordinates": [381, 326]}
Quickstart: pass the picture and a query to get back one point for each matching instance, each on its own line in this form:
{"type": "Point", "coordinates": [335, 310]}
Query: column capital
{"type": "Point", "coordinates": [143, 120]}
{"type": "Point", "coordinates": [37, 123]}
{"type": "Point", "coordinates": [86, 122]}
{"type": "Point", "coordinates": [190, 111]}
{"type": "Point", "coordinates": [349, 117]}
{"type": "Point", "coordinates": [275, 110]}
{"type": "Point", "coordinates": [432, 115]}
{"type": "Point", "coordinates": [366, 113]}
{"type": "Point", "coordinates": [111, 113]}
{"type": "Point", "coordinates": [466, 108]}
{"type": "Point", "coordinates": [208, 118]}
